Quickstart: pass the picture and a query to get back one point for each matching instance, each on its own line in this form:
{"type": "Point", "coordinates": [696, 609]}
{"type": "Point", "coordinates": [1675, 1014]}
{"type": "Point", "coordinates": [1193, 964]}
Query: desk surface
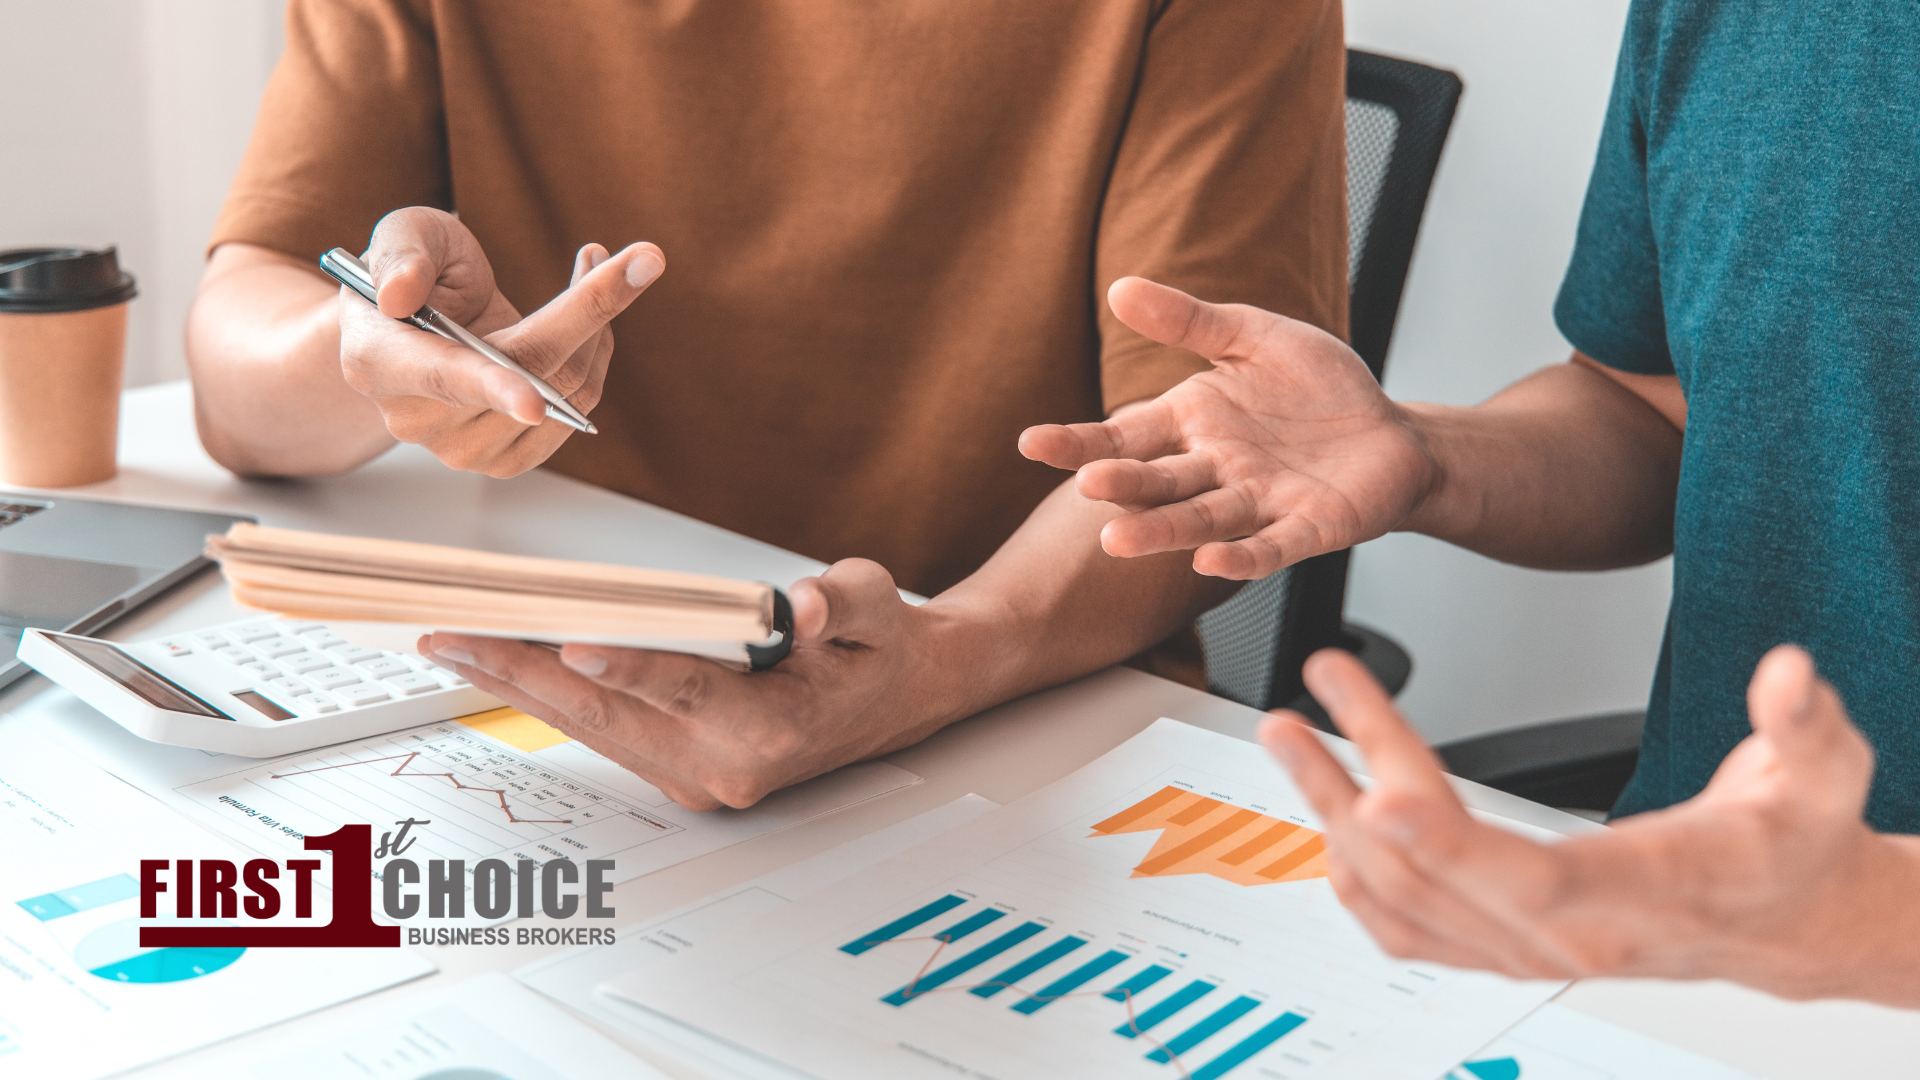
{"type": "Point", "coordinates": [1002, 754]}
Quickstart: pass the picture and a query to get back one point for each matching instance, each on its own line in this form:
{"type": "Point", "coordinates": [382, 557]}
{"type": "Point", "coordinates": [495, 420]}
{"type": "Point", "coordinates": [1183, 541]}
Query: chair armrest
{"type": "Point", "coordinates": [1583, 763]}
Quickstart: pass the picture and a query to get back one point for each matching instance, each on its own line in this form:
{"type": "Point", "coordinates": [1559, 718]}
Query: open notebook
{"type": "Point", "coordinates": [359, 579]}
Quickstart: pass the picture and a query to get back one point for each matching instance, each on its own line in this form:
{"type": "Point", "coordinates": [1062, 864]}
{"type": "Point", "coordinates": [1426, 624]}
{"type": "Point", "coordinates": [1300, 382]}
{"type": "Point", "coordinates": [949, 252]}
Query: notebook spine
{"type": "Point", "coordinates": [762, 657]}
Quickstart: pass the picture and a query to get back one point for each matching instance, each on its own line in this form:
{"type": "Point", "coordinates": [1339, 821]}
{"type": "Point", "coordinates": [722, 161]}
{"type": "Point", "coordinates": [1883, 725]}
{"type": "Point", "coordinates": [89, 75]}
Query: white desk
{"type": "Point", "coordinates": [1002, 754]}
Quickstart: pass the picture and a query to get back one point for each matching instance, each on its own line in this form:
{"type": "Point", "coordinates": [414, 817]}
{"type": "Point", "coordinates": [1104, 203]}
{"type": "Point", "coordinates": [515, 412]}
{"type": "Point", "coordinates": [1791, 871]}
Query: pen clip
{"type": "Point", "coordinates": [341, 266]}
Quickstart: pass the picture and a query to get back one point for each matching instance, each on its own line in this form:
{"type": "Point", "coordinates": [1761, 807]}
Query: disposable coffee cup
{"type": "Point", "coordinates": [63, 343]}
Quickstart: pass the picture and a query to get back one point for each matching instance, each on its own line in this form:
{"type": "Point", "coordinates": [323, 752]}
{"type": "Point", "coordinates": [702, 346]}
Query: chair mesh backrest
{"type": "Point", "coordinates": [1371, 131]}
{"type": "Point", "coordinates": [1396, 111]}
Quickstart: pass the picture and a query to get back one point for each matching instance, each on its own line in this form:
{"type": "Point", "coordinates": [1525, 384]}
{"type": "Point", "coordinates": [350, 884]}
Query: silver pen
{"type": "Point", "coordinates": [341, 265]}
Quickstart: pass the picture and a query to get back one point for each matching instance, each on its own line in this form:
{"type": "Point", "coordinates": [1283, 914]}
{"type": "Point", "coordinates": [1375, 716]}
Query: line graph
{"type": "Point", "coordinates": [485, 797]}
{"type": "Point", "coordinates": [500, 790]}
{"type": "Point", "coordinates": [407, 759]}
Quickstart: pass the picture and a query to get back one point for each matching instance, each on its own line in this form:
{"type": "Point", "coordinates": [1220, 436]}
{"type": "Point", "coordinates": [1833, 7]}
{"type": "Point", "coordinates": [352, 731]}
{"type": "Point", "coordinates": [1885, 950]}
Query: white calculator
{"type": "Point", "coordinates": [258, 688]}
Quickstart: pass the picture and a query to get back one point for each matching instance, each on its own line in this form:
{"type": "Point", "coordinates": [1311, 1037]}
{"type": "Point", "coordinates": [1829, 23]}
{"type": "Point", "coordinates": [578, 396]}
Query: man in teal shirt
{"type": "Point", "coordinates": [1746, 395]}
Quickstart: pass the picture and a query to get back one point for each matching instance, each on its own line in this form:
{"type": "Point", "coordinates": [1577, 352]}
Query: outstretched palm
{"type": "Point", "coordinates": [1285, 450]}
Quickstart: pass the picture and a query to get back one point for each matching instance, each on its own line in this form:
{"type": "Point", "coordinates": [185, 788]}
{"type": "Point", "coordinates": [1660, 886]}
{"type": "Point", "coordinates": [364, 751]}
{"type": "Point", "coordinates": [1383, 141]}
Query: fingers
{"type": "Point", "coordinates": [1396, 934]}
{"type": "Point", "coordinates": [1414, 810]}
{"type": "Point", "coordinates": [392, 363]}
{"type": "Point", "coordinates": [689, 687]}
{"type": "Point", "coordinates": [1319, 777]}
{"type": "Point", "coordinates": [588, 257]}
{"type": "Point", "coordinates": [1360, 707]}
{"type": "Point", "coordinates": [388, 362]}
{"type": "Point", "coordinates": [533, 670]}
{"type": "Point", "coordinates": [854, 602]}
{"type": "Point", "coordinates": [1220, 514]}
{"type": "Point", "coordinates": [534, 680]}
{"type": "Point", "coordinates": [1142, 484]}
{"type": "Point", "coordinates": [1289, 540]}
{"type": "Point", "coordinates": [1803, 716]}
{"type": "Point", "coordinates": [1171, 317]}
{"type": "Point", "coordinates": [1409, 911]}
{"type": "Point", "coordinates": [1144, 432]}
{"type": "Point", "coordinates": [545, 339]}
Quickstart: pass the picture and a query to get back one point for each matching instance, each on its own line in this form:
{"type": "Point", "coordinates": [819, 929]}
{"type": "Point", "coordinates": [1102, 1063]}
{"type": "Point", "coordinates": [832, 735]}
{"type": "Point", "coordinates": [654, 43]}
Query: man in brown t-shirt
{"type": "Point", "coordinates": [891, 230]}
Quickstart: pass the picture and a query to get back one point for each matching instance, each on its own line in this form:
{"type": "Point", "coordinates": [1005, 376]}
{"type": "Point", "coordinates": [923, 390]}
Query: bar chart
{"type": "Point", "coordinates": [1180, 1025]}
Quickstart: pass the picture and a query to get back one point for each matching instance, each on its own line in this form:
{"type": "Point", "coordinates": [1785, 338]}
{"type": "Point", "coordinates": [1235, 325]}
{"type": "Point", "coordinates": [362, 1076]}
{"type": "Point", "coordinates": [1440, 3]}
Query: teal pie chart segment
{"type": "Point", "coordinates": [1497, 1069]}
{"type": "Point", "coordinates": [113, 953]}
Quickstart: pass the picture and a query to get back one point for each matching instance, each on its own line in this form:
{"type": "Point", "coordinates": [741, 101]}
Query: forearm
{"type": "Point", "coordinates": [1050, 605]}
{"type": "Point", "coordinates": [1564, 470]}
{"type": "Point", "coordinates": [263, 344]}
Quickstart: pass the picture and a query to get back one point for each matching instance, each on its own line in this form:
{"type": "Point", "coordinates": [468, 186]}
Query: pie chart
{"type": "Point", "coordinates": [99, 925]}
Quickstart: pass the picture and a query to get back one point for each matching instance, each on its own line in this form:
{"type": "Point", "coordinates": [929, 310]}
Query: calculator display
{"type": "Point", "coordinates": [151, 686]}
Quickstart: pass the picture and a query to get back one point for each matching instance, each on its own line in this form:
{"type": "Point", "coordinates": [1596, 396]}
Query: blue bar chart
{"type": "Point", "coordinates": [1168, 1006]}
{"type": "Point", "coordinates": [1072, 980]}
{"type": "Point", "coordinates": [1186, 1018]}
{"type": "Point", "coordinates": [904, 923]}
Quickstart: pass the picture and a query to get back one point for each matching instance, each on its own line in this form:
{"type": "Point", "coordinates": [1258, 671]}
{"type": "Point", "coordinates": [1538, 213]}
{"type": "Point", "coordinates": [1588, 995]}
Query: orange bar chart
{"type": "Point", "coordinates": [1201, 835]}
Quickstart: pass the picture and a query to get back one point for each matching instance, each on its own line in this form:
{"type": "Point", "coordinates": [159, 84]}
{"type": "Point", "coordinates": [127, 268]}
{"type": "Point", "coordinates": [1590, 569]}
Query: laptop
{"type": "Point", "coordinates": [77, 565]}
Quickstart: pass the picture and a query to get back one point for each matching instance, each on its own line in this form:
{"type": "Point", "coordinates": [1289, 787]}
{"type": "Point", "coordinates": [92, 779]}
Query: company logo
{"type": "Point", "coordinates": [261, 890]}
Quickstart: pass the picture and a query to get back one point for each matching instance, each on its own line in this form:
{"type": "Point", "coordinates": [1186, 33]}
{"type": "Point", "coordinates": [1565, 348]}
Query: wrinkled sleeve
{"type": "Point", "coordinates": [1610, 305]}
{"type": "Point", "coordinates": [1230, 178]}
{"type": "Point", "coordinates": [351, 127]}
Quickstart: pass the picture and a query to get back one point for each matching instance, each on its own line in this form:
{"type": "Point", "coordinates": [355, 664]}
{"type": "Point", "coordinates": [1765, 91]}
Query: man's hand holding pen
{"type": "Point", "coordinates": [473, 414]}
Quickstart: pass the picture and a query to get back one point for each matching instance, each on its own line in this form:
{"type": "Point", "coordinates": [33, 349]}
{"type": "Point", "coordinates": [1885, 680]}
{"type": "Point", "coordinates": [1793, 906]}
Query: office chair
{"type": "Point", "coordinates": [1398, 113]}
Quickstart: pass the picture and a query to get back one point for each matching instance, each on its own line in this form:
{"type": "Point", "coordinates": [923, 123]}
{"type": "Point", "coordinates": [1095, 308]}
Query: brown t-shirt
{"type": "Point", "coordinates": [889, 226]}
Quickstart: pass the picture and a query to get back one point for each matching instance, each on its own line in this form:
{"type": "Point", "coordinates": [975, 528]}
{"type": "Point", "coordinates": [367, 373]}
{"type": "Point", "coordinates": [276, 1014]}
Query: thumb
{"type": "Point", "coordinates": [408, 250]}
{"type": "Point", "coordinates": [1803, 718]}
{"type": "Point", "coordinates": [1171, 317]}
{"type": "Point", "coordinates": [418, 249]}
{"type": "Point", "coordinates": [855, 601]}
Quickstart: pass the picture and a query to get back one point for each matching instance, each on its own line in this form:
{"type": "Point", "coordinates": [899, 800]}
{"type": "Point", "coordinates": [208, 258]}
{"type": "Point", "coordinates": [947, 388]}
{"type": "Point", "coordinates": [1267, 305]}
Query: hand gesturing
{"type": "Point", "coordinates": [1287, 449]}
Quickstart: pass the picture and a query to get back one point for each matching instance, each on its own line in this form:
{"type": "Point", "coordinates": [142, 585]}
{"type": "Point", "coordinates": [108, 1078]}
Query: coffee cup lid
{"type": "Point", "coordinates": [62, 279]}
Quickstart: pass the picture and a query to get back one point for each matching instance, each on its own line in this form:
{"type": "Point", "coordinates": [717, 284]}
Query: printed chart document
{"type": "Point", "coordinates": [484, 1028]}
{"type": "Point", "coordinates": [497, 785]}
{"type": "Point", "coordinates": [573, 977]}
{"type": "Point", "coordinates": [1162, 912]}
{"type": "Point", "coordinates": [1560, 1044]}
{"type": "Point", "coordinates": [79, 997]}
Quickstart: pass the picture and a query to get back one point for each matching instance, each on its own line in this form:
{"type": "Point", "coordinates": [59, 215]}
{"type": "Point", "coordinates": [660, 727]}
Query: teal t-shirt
{"type": "Point", "coordinates": [1753, 227]}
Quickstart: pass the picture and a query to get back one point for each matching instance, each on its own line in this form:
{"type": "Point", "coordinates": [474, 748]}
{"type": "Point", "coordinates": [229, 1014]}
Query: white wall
{"type": "Point", "coordinates": [126, 118]}
{"type": "Point", "coordinates": [124, 122]}
{"type": "Point", "coordinates": [1493, 645]}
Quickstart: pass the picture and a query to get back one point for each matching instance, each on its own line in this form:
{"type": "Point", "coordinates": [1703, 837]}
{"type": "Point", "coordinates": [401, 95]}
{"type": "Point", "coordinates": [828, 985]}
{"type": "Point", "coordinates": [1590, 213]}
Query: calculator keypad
{"type": "Point", "coordinates": [382, 666]}
{"type": "Point", "coordinates": [413, 682]}
{"type": "Point", "coordinates": [274, 648]}
{"type": "Point", "coordinates": [308, 669]}
{"type": "Point", "coordinates": [333, 678]}
{"type": "Point", "coordinates": [301, 663]}
{"type": "Point", "coordinates": [353, 654]}
{"type": "Point", "coordinates": [362, 694]}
